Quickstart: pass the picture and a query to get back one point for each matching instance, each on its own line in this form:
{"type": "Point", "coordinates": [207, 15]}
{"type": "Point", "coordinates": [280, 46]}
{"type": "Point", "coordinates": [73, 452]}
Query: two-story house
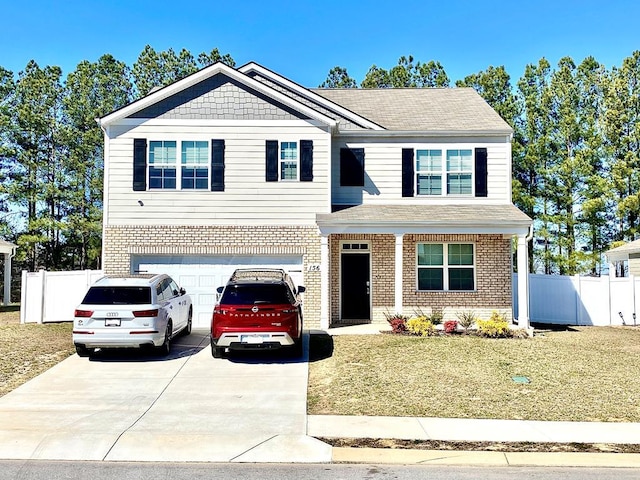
{"type": "Point", "coordinates": [378, 201]}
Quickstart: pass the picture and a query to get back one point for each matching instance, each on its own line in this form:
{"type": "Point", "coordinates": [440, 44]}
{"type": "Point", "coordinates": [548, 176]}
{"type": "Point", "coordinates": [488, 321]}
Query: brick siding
{"type": "Point", "coordinates": [121, 242]}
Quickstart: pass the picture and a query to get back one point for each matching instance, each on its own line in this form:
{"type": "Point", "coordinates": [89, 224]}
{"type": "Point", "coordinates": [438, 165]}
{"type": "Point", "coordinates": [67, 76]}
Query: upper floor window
{"type": "Point", "coordinates": [288, 160]}
{"type": "Point", "coordinates": [178, 165]}
{"type": "Point", "coordinates": [429, 172]}
{"type": "Point", "coordinates": [442, 172]}
{"type": "Point", "coordinates": [162, 165]}
{"type": "Point", "coordinates": [446, 266]}
{"type": "Point", "coordinates": [195, 165]}
{"type": "Point", "coordinates": [459, 171]}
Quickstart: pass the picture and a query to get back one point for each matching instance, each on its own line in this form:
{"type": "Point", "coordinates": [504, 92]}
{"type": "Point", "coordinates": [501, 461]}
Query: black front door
{"type": "Point", "coordinates": [355, 286]}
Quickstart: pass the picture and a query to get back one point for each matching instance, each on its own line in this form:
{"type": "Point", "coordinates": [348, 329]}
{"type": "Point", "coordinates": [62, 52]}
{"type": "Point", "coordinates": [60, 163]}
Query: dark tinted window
{"type": "Point", "coordinates": [118, 296]}
{"type": "Point", "coordinates": [255, 294]}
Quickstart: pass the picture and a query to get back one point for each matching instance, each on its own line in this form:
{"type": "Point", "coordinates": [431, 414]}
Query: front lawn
{"type": "Point", "coordinates": [28, 350]}
{"type": "Point", "coordinates": [580, 374]}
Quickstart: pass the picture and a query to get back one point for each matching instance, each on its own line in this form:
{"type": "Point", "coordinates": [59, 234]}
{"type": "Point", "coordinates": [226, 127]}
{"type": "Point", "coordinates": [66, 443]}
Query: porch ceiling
{"type": "Point", "coordinates": [402, 219]}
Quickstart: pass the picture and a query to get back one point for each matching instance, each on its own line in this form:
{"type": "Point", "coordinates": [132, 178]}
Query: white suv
{"type": "Point", "coordinates": [131, 311]}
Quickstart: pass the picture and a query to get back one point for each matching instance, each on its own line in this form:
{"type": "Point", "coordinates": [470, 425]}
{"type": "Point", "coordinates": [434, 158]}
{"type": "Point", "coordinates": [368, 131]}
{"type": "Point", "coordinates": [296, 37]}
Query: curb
{"type": "Point", "coordinates": [484, 458]}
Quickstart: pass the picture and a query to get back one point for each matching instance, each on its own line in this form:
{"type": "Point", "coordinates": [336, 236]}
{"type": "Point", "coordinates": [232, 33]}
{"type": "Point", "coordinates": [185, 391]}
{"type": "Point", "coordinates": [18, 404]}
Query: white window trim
{"type": "Point", "coordinates": [445, 266]}
{"type": "Point", "coordinates": [178, 164]}
{"type": "Point", "coordinates": [444, 173]}
{"type": "Point", "coordinates": [281, 161]}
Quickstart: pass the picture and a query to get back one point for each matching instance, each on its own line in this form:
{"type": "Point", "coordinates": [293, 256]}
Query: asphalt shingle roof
{"type": "Point", "coordinates": [420, 109]}
{"type": "Point", "coordinates": [459, 215]}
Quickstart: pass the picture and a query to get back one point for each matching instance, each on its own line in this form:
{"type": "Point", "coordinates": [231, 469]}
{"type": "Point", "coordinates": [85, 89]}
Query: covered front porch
{"type": "Point", "coordinates": [379, 260]}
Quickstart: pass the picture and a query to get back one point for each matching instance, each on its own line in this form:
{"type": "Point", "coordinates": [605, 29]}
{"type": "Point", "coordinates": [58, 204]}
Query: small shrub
{"type": "Point", "coordinates": [398, 322]}
{"type": "Point", "coordinates": [436, 316]}
{"type": "Point", "coordinates": [450, 326]}
{"type": "Point", "coordinates": [421, 326]}
{"type": "Point", "coordinates": [467, 319]}
{"type": "Point", "coordinates": [495, 327]}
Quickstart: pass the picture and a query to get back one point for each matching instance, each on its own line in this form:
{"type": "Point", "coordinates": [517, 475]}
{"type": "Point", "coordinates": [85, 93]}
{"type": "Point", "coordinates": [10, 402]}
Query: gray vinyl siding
{"type": "Point", "coordinates": [383, 170]}
{"type": "Point", "coordinates": [247, 200]}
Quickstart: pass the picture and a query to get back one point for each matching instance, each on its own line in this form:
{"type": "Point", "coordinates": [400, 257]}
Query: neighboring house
{"type": "Point", "coordinates": [8, 251]}
{"type": "Point", "coordinates": [624, 260]}
{"type": "Point", "coordinates": [378, 201]}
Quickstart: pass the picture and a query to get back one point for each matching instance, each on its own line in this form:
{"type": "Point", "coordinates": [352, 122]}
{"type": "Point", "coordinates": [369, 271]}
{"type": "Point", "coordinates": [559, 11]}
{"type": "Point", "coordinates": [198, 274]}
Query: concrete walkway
{"type": "Point", "coordinates": [190, 407]}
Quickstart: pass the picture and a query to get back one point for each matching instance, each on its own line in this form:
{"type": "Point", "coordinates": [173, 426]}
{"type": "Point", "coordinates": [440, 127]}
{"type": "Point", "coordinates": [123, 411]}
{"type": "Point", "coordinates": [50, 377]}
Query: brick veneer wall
{"type": "Point", "coordinates": [493, 278]}
{"type": "Point", "coordinates": [121, 242]}
{"type": "Point", "coordinates": [493, 275]}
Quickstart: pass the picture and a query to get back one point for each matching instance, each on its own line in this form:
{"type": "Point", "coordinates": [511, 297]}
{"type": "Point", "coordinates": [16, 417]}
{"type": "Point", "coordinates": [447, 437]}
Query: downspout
{"type": "Point", "coordinates": [105, 202]}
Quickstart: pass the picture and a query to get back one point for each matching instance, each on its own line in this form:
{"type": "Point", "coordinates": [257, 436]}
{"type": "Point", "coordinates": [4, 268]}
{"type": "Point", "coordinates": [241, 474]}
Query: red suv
{"type": "Point", "coordinates": [257, 309]}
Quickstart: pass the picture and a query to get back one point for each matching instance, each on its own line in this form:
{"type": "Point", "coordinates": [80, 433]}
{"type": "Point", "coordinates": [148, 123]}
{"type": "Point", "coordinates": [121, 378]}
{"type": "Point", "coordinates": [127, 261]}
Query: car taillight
{"type": "Point", "coordinates": [83, 313]}
{"type": "Point", "coordinates": [146, 313]}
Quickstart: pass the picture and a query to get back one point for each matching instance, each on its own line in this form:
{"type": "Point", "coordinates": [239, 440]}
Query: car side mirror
{"type": "Point", "coordinates": [301, 289]}
{"type": "Point", "coordinates": [219, 293]}
{"type": "Point", "coordinates": [182, 291]}
{"type": "Point", "coordinates": [219, 289]}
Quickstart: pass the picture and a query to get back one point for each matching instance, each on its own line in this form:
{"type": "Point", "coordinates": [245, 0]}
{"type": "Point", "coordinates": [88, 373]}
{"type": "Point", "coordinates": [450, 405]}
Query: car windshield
{"type": "Point", "coordinates": [118, 296]}
{"type": "Point", "coordinates": [254, 294]}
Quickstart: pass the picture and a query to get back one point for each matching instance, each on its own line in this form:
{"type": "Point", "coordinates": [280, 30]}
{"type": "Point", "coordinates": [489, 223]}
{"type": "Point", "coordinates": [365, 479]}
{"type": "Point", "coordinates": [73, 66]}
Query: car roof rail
{"type": "Point", "coordinates": [259, 274]}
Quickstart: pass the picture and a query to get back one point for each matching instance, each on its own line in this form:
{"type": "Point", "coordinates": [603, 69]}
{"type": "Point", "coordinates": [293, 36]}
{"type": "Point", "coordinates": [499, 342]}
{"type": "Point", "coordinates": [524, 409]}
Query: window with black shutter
{"type": "Point", "coordinates": [481, 172]}
{"type": "Point", "coordinates": [352, 167]}
{"type": "Point", "coordinates": [271, 170]}
{"type": "Point", "coordinates": [407, 172]}
{"type": "Point", "coordinates": [217, 165]}
{"type": "Point", "coordinates": [139, 164]}
{"type": "Point", "coordinates": [306, 160]}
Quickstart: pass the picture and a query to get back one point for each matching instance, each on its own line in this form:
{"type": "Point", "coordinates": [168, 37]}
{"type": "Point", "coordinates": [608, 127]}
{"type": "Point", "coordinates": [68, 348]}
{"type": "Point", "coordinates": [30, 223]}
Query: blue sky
{"type": "Point", "coordinates": [304, 39]}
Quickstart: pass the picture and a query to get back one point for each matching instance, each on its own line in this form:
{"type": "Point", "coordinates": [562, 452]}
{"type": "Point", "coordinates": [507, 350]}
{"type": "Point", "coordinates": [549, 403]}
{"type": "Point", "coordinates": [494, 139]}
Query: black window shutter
{"type": "Point", "coordinates": [217, 165]}
{"type": "Point", "coordinates": [139, 164]}
{"type": "Point", "coordinates": [481, 172]}
{"type": "Point", "coordinates": [407, 172]}
{"type": "Point", "coordinates": [352, 167]}
{"type": "Point", "coordinates": [306, 160]}
{"type": "Point", "coordinates": [272, 161]}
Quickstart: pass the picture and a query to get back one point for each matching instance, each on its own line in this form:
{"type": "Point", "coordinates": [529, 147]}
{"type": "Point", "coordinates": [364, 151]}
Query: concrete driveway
{"type": "Point", "coordinates": [128, 406]}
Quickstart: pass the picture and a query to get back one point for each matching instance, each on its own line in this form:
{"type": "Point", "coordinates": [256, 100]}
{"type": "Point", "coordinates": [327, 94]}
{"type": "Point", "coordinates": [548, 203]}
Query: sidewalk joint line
{"type": "Point", "coordinates": [253, 448]}
{"type": "Point", "coordinates": [152, 403]}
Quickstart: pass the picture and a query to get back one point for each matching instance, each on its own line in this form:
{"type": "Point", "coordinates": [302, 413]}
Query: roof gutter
{"type": "Point", "coordinates": [425, 134]}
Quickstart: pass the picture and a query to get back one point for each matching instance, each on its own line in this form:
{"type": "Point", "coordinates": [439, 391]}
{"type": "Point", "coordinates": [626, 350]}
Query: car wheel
{"type": "Point", "coordinates": [217, 352]}
{"type": "Point", "coordinates": [83, 351]}
{"type": "Point", "coordinates": [165, 348]}
{"type": "Point", "coordinates": [187, 330]}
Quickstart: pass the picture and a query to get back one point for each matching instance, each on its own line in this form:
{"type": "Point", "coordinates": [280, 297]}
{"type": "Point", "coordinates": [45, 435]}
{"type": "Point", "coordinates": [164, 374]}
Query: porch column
{"type": "Point", "coordinates": [6, 299]}
{"type": "Point", "coordinates": [325, 285]}
{"type": "Point", "coordinates": [398, 274]}
{"type": "Point", "coordinates": [523, 282]}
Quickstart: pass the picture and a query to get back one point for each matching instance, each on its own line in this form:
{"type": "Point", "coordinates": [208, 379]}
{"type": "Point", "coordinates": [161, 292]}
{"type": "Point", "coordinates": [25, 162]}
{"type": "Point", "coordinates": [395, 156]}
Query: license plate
{"type": "Point", "coordinates": [112, 322]}
{"type": "Point", "coordinates": [252, 338]}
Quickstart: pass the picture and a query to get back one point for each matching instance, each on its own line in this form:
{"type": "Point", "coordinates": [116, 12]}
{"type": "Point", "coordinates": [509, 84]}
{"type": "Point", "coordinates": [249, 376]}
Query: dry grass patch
{"type": "Point", "coordinates": [28, 350]}
{"type": "Point", "coordinates": [583, 374]}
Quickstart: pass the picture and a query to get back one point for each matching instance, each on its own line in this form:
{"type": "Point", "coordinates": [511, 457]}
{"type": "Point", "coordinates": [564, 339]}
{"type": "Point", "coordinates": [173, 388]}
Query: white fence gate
{"type": "Point", "coordinates": [580, 300]}
{"type": "Point", "coordinates": [53, 296]}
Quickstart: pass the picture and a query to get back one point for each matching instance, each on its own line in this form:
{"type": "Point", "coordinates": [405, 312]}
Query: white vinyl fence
{"type": "Point", "coordinates": [53, 296]}
{"type": "Point", "coordinates": [580, 300]}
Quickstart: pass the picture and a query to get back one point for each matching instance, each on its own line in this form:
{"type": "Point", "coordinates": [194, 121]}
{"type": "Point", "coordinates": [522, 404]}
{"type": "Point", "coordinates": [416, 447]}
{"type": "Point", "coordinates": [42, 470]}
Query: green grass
{"type": "Point", "coordinates": [584, 374]}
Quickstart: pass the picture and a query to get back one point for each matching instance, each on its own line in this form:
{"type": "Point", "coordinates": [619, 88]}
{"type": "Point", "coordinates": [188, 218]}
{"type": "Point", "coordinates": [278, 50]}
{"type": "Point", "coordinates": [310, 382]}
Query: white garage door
{"type": "Point", "coordinates": [200, 276]}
